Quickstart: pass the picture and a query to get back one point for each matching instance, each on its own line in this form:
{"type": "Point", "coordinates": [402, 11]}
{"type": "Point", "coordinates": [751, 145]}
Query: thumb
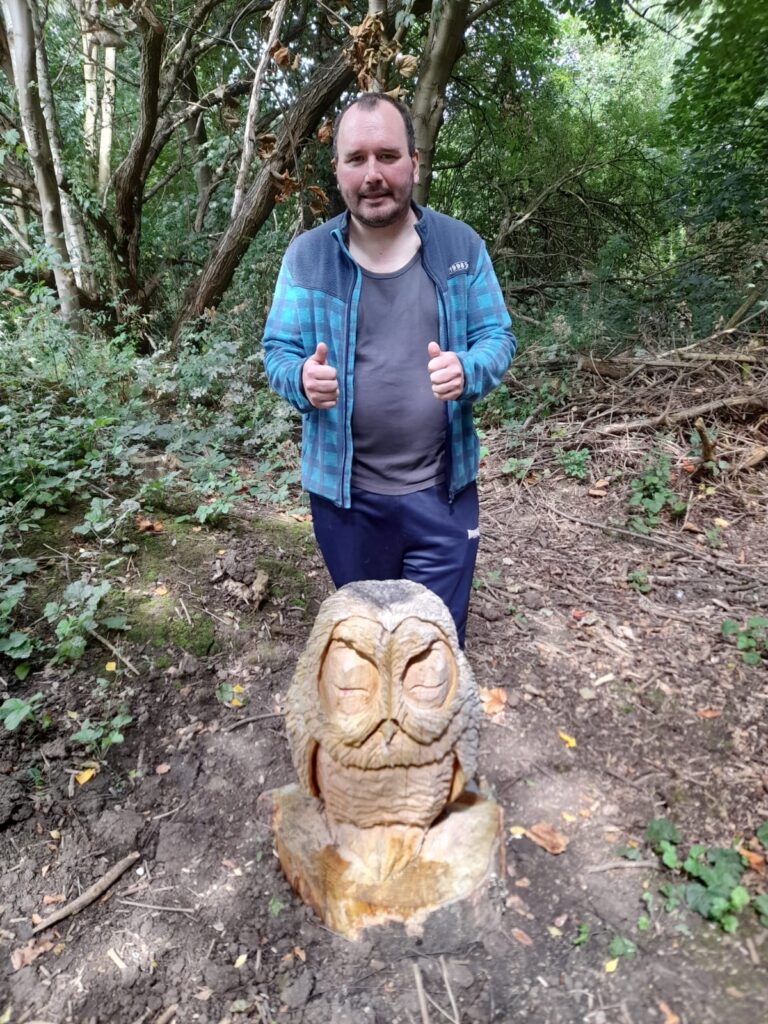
{"type": "Point", "coordinates": [321, 353]}
{"type": "Point", "coordinates": [433, 349]}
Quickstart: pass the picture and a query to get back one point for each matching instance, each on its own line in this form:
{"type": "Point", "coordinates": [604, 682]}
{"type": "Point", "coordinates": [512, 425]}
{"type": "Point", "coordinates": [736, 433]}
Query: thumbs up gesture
{"type": "Point", "coordinates": [445, 373]}
{"type": "Point", "coordinates": [319, 380]}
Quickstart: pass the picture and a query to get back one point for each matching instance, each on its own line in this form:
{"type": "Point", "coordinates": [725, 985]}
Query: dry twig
{"type": "Point", "coordinates": [92, 893]}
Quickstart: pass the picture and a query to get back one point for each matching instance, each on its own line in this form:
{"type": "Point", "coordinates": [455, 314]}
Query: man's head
{"type": "Point", "coordinates": [375, 159]}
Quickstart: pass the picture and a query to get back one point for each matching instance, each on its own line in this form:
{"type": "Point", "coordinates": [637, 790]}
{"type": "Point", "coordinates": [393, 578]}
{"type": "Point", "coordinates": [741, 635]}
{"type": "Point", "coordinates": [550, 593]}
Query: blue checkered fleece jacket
{"type": "Point", "coordinates": [316, 299]}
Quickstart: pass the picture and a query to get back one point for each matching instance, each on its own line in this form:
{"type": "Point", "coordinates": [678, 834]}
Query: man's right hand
{"type": "Point", "coordinates": [319, 380]}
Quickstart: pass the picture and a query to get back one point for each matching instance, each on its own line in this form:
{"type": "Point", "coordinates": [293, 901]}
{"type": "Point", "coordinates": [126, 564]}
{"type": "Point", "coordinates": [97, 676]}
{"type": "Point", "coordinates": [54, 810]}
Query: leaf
{"type": "Point", "coordinates": [762, 834]}
{"type": "Point", "coordinates": [569, 741]}
{"type": "Point", "coordinates": [660, 829]}
{"type": "Point", "coordinates": [629, 852]}
{"type": "Point", "coordinates": [276, 906]}
{"type": "Point", "coordinates": [622, 947]}
{"type": "Point", "coordinates": [160, 590]}
{"type": "Point", "coordinates": [669, 1016]}
{"type": "Point", "coordinates": [25, 955]}
{"type": "Point", "coordinates": [709, 712]}
{"type": "Point", "coordinates": [755, 861]}
{"type": "Point", "coordinates": [522, 937]}
{"type": "Point", "coordinates": [581, 935]}
{"type": "Point", "coordinates": [144, 525]}
{"type": "Point", "coordinates": [547, 837]}
{"type": "Point", "coordinates": [162, 769]}
{"type": "Point", "coordinates": [49, 901]}
{"type": "Point", "coordinates": [611, 965]}
{"type": "Point", "coordinates": [84, 776]}
{"type": "Point", "coordinates": [739, 898]}
{"type": "Point", "coordinates": [493, 700]}
{"type": "Point", "coordinates": [111, 666]}
{"type": "Point", "coordinates": [240, 962]}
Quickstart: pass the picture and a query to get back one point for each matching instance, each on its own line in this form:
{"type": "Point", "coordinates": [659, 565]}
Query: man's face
{"type": "Point", "coordinates": [374, 172]}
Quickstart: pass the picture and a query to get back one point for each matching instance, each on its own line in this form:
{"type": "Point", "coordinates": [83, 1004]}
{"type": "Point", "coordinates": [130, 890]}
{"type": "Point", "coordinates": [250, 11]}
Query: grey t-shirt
{"type": "Point", "coordinates": [398, 426]}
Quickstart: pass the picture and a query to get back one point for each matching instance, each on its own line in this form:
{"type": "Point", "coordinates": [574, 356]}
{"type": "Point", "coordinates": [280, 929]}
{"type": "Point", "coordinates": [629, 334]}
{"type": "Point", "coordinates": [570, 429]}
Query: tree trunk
{"type": "Point", "coordinates": [323, 89]}
{"type": "Point", "coordinates": [131, 175]}
{"type": "Point", "coordinates": [75, 235]}
{"type": "Point", "coordinates": [107, 119]}
{"type": "Point", "coordinates": [21, 37]}
{"type": "Point", "coordinates": [90, 49]}
{"type": "Point", "coordinates": [249, 133]}
{"type": "Point", "coordinates": [447, 25]}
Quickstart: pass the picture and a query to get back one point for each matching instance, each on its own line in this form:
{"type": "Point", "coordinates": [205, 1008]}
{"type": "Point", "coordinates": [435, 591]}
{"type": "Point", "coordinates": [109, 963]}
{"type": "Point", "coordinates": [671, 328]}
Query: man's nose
{"type": "Point", "coordinates": [372, 169]}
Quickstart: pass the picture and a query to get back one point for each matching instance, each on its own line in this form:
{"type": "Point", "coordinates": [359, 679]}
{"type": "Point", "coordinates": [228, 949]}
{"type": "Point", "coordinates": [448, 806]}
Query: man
{"type": "Point", "coordinates": [387, 324]}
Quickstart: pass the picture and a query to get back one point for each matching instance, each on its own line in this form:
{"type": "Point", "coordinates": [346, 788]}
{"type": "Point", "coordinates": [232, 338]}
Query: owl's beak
{"type": "Point", "coordinates": [388, 730]}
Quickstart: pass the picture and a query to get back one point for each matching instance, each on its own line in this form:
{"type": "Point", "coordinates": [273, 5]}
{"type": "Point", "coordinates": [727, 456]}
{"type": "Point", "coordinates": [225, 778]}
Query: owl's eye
{"type": "Point", "coordinates": [348, 681]}
{"type": "Point", "coordinates": [428, 677]}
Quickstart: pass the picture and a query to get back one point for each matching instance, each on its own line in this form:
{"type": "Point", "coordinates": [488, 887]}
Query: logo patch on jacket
{"type": "Point", "coordinates": [460, 266]}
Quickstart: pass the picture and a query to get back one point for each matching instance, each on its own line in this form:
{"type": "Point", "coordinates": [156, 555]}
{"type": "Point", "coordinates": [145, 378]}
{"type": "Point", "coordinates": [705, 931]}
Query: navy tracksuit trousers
{"type": "Point", "coordinates": [419, 536]}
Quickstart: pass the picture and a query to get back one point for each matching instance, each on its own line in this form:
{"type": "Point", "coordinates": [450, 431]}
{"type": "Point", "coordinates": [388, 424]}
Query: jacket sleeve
{"type": "Point", "coordinates": [283, 344]}
{"type": "Point", "coordinates": [490, 342]}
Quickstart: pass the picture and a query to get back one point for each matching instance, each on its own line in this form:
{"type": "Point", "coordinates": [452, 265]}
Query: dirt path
{"type": "Point", "coordinates": [592, 635]}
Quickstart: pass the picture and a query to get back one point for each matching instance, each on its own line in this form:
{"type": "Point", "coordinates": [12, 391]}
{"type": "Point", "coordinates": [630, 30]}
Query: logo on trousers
{"type": "Point", "coordinates": [473, 534]}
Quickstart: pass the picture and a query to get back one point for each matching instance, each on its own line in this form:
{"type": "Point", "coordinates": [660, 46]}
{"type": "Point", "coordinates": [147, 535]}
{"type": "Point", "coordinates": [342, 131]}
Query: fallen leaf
{"type": "Point", "coordinates": [545, 836]}
{"type": "Point", "coordinates": [144, 525]}
{"type": "Point", "coordinates": [569, 741]}
{"type": "Point", "coordinates": [523, 883]}
{"type": "Point", "coordinates": [85, 776]}
{"type": "Point", "coordinates": [568, 817]}
{"type": "Point", "coordinates": [235, 703]}
{"type": "Point", "coordinates": [162, 769]}
{"type": "Point", "coordinates": [611, 965]}
{"type": "Point", "coordinates": [554, 932]}
{"type": "Point", "coordinates": [577, 613]}
{"type": "Point", "coordinates": [50, 900]}
{"type": "Point", "coordinates": [523, 937]}
{"type": "Point", "coordinates": [237, 688]}
{"type": "Point", "coordinates": [493, 700]}
{"type": "Point", "coordinates": [203, 994]}
{"type": "Point", "coordinates": [160, 590]}
{"type": "Point", "coordinates": [25, 955]}
{"type": "Point", "coordinates": [602, 484]}
{"type": "Point", "coordinates": [669, 1016]}
{"type": "Point", "coordinates": [111, 666]}
{"type": "Point", "coordinates": [595, 492]}
{"type": "Point", "coordinates": [240, 962]}
{"type": "Point", "coordinates": [687, 466]}
{"type": "Point", "coordinates": [55, 834]}
{"type": "Point", "coordinates": [300, 954]}
{"type": "Point", "coordinates": [709, 712]}
{"type": "Point", "coordinates": [755, 860]}
{"type": "Point", "coordinates": [692, 527]}
{"type": "Point", "coordinates": [720, 523]}
{"type": "Point", "coordinates": [517, 831]}
{"type": "Point", "coordinates": [36, 919]}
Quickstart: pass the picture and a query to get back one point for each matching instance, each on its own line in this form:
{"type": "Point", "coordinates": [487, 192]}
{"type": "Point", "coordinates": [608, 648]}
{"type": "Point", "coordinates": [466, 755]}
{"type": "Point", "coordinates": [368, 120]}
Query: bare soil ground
{"type": "Point", "coordinates": [667, 720]}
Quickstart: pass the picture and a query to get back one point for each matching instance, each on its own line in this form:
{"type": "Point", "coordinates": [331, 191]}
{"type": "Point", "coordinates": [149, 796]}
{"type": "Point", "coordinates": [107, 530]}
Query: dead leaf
{"type": "Point", "coordinates": [569, 741]}
{"type": "Point", "coordinates": [85, 776]}
{"type": "Point", "coordinates": [145, 525]}
{"type": "Point", "coordinates": [568, 817]}
{"type": "Point", "coordinates": [25, 955]}
{"type": "Point", "coordinates": [493, 700]}
{"type": "Point", "coordinates": [325, 132]}
{"type": "Point", "coordinates": [300, 954]}
{"type": "Point", "coordinates": [58, 897]}
{"type": "Point", "coordinates": [595, 492]}
{"type": "Point", "coordinates": [281, 55]}
{"type": "Point", "coordinates": [709, 712]}
{"type": "Point", "coordinates": [548, 838]}
{"type": "Point", "coordinates": [160, 590]}
{"type": "Point", "coordinates": [162, 769]}
{"type": "Point", "coordinates": [240, 962]}
{"type": "Point", "coordinates": [203, 994]}
{"type": "Point", "coordinates": [755, 860]}
{"type": "Point", "coordinates": [669, 1016]}
{"type": "Point", "coordinates": [602, 484]}
{"type": "Point", "coordinates": [611, 966]}
{"type": "Point", "coordinates": [523, 937]}
{"type": "Point", "coordinates": [692, 527]}
{"type": "Point", "coordinates": [720, 523]}
{"type": "Point", "coordinates": [523, 883]}
{"type": "Point", "coordinates": [577, 613]}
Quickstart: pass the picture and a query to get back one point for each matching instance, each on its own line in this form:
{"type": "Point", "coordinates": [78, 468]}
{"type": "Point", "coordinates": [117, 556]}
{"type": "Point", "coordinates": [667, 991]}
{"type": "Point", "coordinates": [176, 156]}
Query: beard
{"type": "Point", "coordinates": [391, 206]}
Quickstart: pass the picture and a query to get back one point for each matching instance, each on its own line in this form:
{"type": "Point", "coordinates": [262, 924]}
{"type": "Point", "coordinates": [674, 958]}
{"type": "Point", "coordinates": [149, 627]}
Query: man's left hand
{"type": "Point", "coordinates": [445, 373]}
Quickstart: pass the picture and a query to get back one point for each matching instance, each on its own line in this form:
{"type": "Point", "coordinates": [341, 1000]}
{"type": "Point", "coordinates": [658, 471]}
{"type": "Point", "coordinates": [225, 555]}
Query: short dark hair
{"type": "Point", "coordinates": [369, 101]}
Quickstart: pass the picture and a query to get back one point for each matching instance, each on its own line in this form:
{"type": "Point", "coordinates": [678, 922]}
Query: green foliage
{"type": "Point", "coordinates": [751, 638]}
{"type": "Point", "coordinates": [98, 737]}
{"type": "Point", "coordinates": [14, 711]}
{"type": "Point", "coordinates": [622, 947]}
{"type": "Point", "coordinates": [638, 580]}
{"type": "Point", "coordinates": [652, 494]}
{"type": "Point", "coordinates": [74, 617]}
{"type": "Point", "coordinates": [518, 468]}
{"type": "Point", "coordinates": [581, 936]}
{"type": "Point", "coordinates": [711, 877]}
{"type": "Point", "coordinates": [575, 462]}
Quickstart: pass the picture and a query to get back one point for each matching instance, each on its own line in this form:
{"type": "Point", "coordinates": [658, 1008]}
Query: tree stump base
{"type": "Point", "coordinates": [441, 879]}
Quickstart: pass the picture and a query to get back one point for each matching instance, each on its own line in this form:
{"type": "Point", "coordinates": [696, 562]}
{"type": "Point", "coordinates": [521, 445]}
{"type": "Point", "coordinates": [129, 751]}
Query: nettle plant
{"type": "Point", "coordinates": [74, 617]}
{"type": "Point", "coordinates": [751, 638]}
{"type": "Point", "coordinates": [652, 494]}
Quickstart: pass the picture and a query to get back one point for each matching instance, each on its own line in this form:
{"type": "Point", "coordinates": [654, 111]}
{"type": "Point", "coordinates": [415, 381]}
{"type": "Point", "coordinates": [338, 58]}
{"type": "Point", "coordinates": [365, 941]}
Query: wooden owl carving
{"type": "Point", "coordinates": [382, 714]}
